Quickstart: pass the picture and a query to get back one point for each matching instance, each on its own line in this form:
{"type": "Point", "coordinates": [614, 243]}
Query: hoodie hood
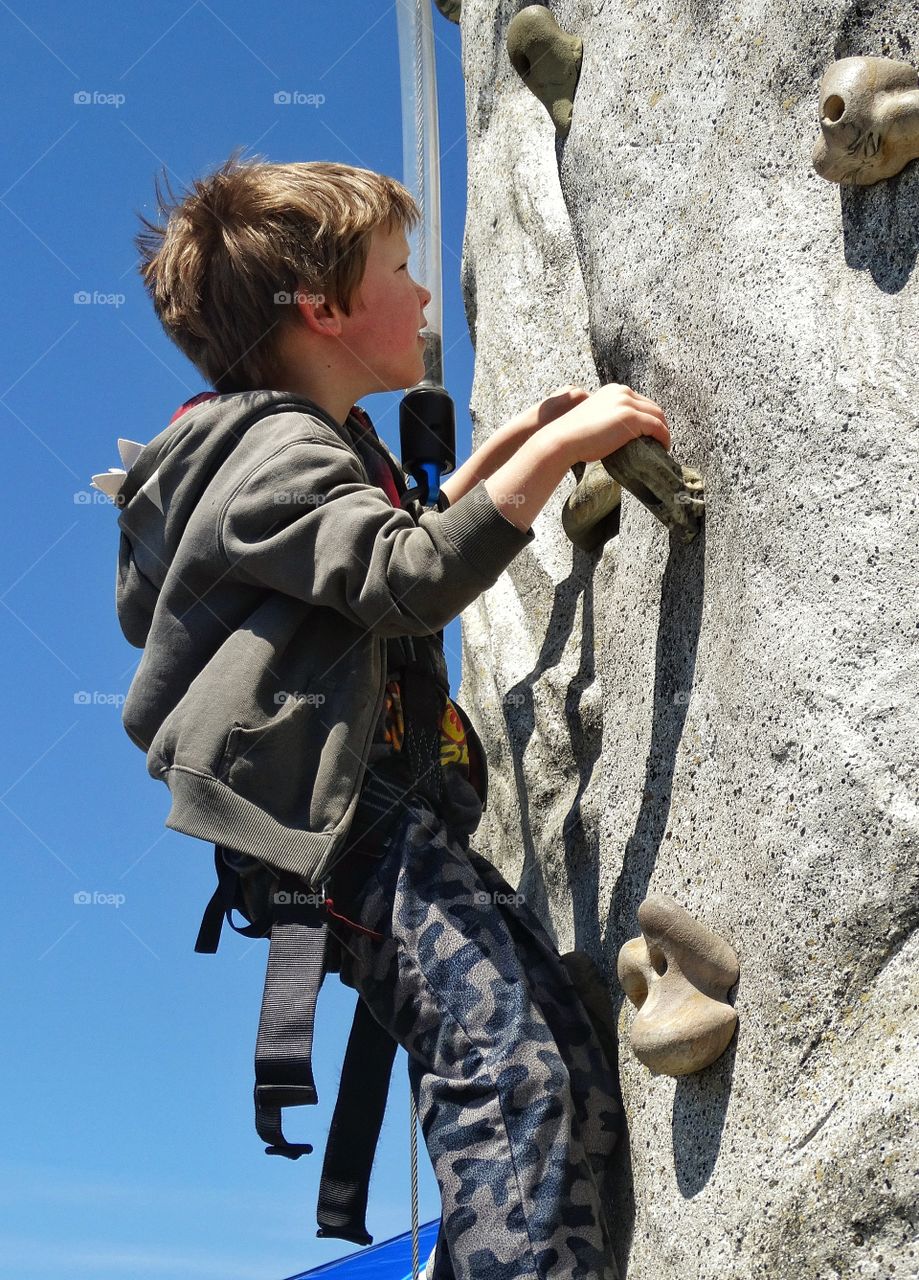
{"type": "Point", "coordinates": [162, 484]}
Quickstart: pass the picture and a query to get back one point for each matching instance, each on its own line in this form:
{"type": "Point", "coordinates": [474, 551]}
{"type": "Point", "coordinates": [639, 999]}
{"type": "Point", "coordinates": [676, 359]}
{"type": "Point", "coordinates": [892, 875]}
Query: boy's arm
{"type": "Point", "coordinates": [504, 443]}
{"type": "Point", "coordinates": [501, 445]}
{"type": "Point", "coordinates": [300, 518]}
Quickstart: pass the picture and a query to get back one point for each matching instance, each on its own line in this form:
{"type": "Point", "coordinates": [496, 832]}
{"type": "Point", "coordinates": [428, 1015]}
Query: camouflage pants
{"type": "Point", "coordinates": [511, 1085]}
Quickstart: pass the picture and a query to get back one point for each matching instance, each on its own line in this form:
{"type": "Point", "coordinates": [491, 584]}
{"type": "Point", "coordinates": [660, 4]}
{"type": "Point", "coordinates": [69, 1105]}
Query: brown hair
{"type": "Point", "coordinates": [250, 235]}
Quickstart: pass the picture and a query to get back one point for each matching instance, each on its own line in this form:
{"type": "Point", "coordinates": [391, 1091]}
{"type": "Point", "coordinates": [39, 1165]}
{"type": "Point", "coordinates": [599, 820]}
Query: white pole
{"type": "Point", "coordinates": [421, 167]}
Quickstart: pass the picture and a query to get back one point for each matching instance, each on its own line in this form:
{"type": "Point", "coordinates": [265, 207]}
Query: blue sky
{"type": "Point", "coordinates": [128, 1142]}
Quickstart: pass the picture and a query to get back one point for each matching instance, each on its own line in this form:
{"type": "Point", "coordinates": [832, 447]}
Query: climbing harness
{"type": "Point", "coordinates": [296, 922]}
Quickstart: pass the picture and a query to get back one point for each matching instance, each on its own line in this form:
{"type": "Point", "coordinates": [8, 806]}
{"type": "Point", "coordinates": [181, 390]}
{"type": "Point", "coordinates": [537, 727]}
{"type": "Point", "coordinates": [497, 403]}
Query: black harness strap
{"type": "Point", "coordinates": [283, 1051]}
{"type": "Point", "coordinates": [226, 898]}
{"type": "Point", "coordinates": [355, 1129]}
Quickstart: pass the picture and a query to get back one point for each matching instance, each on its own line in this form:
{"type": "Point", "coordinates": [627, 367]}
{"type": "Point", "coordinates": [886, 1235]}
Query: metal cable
{"type": "Point", "coordinates": [413, 1148]}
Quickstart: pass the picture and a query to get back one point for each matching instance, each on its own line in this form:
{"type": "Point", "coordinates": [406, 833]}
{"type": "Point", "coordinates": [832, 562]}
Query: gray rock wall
{"type": "Point", "coordinates": [732, 723]}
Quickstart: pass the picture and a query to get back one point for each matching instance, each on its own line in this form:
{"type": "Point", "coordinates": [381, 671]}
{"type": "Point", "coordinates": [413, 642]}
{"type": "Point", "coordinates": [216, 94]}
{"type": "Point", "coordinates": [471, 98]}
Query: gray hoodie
{"type": "Point", "coordinates": [263, 574]}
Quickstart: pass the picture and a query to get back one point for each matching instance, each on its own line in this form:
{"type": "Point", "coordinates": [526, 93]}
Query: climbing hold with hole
{"type": "Point", "coordinates": [450, 8]}
{"type": "Point", "coordinates": [677, 975]}
{"type": "Point", "coordinates": [548, 61]}
{"type": "Point", "coordinates": [869, 120]}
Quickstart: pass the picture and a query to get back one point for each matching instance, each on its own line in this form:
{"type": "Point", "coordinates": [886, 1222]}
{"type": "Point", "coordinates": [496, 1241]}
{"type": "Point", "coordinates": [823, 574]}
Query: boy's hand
{"type": "Point", "coordinates": [556, 403]}
{"type": "Point", "coordinates": [606, 420]}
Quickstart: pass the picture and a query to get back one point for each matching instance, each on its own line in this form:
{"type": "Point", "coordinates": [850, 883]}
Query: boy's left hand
{"type": "Point", "coordinates": [556, 403]}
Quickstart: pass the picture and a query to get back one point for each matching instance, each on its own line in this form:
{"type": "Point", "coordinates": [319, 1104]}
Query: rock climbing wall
{"type": "Point", "coordinates": [730, 722]}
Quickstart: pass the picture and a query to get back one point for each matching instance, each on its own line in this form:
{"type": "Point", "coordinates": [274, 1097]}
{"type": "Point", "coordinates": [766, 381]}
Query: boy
{"type": "Point", "coordinates": [281, 593]}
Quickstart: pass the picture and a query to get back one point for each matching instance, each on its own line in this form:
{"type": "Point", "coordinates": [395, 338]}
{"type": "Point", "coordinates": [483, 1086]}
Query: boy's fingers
{"type": "Point", "coordinates": [649, 406]}
{"type": "Point", "coordinates": [569, 392]}
{"type": "Point", "coordinates": [646, 401]}
{"type": "Point", "coordinates": [651, 424]}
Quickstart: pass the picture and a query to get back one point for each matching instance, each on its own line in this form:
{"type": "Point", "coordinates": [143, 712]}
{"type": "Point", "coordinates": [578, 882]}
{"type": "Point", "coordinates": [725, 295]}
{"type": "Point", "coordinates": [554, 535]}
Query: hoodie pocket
{"type": "Point", "coordinates": [228, 753]}
{"type": "Point", "coordinates": [275, 764]}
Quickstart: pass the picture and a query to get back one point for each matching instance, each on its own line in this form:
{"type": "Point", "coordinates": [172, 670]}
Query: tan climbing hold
{"type": "Point", "coordinates": [869, 120]}
{"type": "Point", "coordinates": [677, 975]}
{"type": "Point", "coordinates": [451, 9]}
{"type": "Point", "coordinates": [590, 515]}
{"type": "Point", "coordinates": [670, 491]}
{"type": "Point", "coordinates": [548, 61]}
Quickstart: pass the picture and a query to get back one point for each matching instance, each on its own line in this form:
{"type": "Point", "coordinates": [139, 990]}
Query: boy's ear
{"type": "Point", "coordinates": [318, 315]}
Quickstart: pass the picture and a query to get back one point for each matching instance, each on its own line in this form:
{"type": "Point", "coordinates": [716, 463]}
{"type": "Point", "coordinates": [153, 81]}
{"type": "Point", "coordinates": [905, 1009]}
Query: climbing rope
{"type": "Point", "coordinates": [413, 1148]}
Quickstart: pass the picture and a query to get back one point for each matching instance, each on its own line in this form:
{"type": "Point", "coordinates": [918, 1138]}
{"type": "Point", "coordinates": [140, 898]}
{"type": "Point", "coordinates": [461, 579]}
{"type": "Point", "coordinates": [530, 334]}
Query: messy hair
{"type": "Point", "coordinates": [244, 240]}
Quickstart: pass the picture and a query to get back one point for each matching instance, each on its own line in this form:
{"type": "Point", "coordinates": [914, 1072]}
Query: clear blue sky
{"type": "Point", "coordinates": [128, 1144]}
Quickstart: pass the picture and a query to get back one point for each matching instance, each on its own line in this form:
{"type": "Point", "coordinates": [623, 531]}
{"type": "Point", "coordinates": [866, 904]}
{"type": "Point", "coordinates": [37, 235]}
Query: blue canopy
{"type": "Point", "coordinates": [390, 1260]}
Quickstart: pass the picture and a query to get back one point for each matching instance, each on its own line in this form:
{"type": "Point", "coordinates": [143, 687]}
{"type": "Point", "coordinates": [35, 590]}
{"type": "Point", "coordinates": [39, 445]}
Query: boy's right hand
{"type": "Point", "coordinates": [607, 420]}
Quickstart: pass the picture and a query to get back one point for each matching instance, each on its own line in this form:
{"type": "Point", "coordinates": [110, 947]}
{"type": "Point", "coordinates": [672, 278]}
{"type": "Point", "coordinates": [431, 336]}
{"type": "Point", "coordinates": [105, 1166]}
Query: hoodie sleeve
{"type": "Point", "coordinates": [305, 522]}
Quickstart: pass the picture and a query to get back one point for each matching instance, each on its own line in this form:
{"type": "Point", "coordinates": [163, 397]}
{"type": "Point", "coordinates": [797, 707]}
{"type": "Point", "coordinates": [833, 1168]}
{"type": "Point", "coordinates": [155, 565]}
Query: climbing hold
{"type": "Point", "coordinates": [590, 515]}
{"type": "Point", "coordinates": [869, 118]}
{"type": "Point", "coordinates": [670, 491]}
{"type": "Point", "coordinates": [450, 8]}
{"type": "Point", "coordinates": [677, 976]}
{"type": "Point", "coordinates": [548, 61]}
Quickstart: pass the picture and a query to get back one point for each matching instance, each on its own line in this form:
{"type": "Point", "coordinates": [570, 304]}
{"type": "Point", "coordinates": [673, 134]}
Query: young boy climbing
{"type": "Point", "coordinates": [286, 601]}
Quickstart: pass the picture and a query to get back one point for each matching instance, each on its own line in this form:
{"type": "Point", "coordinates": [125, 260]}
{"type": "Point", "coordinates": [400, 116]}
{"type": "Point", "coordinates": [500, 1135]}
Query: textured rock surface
{"type": "Point", "coordinates": [731, 722]}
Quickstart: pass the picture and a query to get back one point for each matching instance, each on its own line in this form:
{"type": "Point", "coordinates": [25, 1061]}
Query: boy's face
{"type": "Point", "coordinates": [386, 316]}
